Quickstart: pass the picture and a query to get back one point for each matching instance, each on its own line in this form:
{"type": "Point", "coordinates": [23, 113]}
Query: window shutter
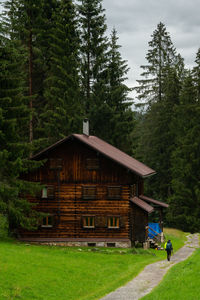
{"type": "Point", "coordinates": [56, 163]}
{"type": "Point", "coordinates": [92, 163]}
{"type": "Point", "coordinates": [122, 222]}
{"type": "Point", "coordinates": [89, 192]}
{"type": "Point", "coordinates": [114, 192]}
{"type": "Point", "coordinates": [101, 221]}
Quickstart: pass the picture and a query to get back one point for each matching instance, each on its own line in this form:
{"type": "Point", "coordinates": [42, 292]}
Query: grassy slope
{"type": "Point", "coordinates": [42, 272]}
{"type": "Point", "coordinates": [182, 282]}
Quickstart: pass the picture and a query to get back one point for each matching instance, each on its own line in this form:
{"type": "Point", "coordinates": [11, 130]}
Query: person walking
{"type": "Point", "coordinates": [169, 249]}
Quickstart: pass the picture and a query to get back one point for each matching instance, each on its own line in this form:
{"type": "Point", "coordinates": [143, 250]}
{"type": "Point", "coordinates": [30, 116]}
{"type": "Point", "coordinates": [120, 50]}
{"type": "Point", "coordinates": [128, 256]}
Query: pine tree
{"type": "Point", "coordinates": [93, 53]}
{"type": "Point", "coordinates": [121, 121]}
{"type": "Point", "coordinates": [196, 75]}
{"type": "Point", "coordinates": [62, 111]}
{"type": "Point", "coordinates": [160, 57]}
{"type": "Point", "coordinates": [156, 137]}
{"type": "Point", "coordinates": [185, 200]}
{"type": "Point", "coordinates": [14, 116]}
{"type": "Point", "coordinates": [23, 22]}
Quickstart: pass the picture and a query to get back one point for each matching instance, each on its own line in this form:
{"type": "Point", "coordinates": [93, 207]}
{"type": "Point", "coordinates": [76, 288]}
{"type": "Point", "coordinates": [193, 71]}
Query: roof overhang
{"type": "Point", "coordinates": [107, 150]}
{"type": "Point", "coordinates": [142, 204]}
{"type": "Point", "coordinates": [153, 201]}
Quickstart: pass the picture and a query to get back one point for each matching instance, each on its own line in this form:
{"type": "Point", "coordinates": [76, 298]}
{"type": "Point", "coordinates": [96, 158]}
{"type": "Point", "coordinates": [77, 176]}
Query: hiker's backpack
{"type": "Point", "coordinates": [168, 246]}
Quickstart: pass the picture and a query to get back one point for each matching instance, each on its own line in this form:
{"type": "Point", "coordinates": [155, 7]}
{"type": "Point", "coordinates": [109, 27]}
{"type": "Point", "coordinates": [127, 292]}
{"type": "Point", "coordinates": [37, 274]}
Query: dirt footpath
{"type": "Point", "coordinates": [153, 274]}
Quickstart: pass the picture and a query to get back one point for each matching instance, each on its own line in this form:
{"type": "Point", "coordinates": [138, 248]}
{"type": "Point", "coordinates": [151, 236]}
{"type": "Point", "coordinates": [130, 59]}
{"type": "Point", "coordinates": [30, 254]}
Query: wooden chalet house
{"type": "Point", "coordinates": [93, 195]}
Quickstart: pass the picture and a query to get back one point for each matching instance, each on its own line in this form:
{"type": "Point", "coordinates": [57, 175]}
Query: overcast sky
{"type": "Point", "coordinates": [135, 21]}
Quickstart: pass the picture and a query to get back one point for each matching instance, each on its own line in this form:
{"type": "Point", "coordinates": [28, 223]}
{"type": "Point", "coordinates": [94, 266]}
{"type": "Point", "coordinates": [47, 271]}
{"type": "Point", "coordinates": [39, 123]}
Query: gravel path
{"type": "Point", "coordinates": [153, 274]}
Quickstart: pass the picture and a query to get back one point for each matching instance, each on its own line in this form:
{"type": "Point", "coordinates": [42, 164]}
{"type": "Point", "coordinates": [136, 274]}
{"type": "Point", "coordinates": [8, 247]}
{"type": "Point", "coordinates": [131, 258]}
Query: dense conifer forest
{"type": "Point", "coordinates": [58, 65]}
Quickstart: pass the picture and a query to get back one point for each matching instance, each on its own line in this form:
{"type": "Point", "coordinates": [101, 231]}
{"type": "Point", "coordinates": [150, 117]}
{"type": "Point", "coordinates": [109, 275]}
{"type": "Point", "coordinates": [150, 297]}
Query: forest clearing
{"type": "Point", "coordinates": [137, 164]}
{"type": "Point", "coordinates": [48, 272]}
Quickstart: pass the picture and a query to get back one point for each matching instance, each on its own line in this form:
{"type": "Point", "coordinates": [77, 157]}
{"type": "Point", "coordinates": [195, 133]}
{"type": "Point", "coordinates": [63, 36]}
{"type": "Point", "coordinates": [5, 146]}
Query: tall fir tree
{"type": "Point", "coordinates": [14, 116]}
{"type": "Point", "coordinates": [93, 54]}
{"type": "Point", "coordinates": [185, 199]}
{"type": "Point", "coordinates": [196, 75]}
{"type": "Point", "coordinates": [23, 21]}
{"type": "Point", "coordinates": [156, 138]}
{"type": "Point", "coordinates": [121, 121]}
{"type": "Point", "coordinates": [62, 112]}
{"type": "Point", "coordinates": [161, 56]}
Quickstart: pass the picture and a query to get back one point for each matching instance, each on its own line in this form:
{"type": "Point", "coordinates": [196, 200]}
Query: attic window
{"type": "Point", "coordinates": [89, 192]}
{"type": "Point", "coordinates": [92, 163]}
{"type": "Point", "coordinates": [113, 222]}
{"type": "Point", "coordinates": [88, 221]}
{"type": "Point", "coordinates": [47, 221]}
{"type": "Point", "coordinates": [114, 192]}
{"type": "Point", "coordinates": [56, 163]}
{"type": "Point", "coordinates": [48, 192]}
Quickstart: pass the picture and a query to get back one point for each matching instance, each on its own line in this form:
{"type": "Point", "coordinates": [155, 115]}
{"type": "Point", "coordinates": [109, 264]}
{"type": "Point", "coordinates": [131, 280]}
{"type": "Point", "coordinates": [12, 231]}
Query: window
{"type": "Point", "coordinates": [113, 222]}
{"type": "Point", "coordinates": [92, 163]}
{"type": "Point", "coordinates": [88, 221]}
{"type": "Point", "coordinates": [48, 192]}
{"type": "Point", "coordinates": [47, 221]}
{"type": "Point", "coordinates": [55, 163]}
{"type": "Point", "coordinates": [44, 192]}
{"type": "Point", "coordinates": [89, 192]}
{"type": "Point", "coordinates": [114, 192]}
{"type": "Point", "coordinates": [134, 190]}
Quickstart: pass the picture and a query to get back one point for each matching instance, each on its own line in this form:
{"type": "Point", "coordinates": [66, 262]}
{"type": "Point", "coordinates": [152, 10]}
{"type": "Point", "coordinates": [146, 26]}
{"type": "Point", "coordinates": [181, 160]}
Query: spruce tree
{"type": "Point", "coordinates": [93, 53]}
{"type": "Point", "coordinates": [121, 122]}
{"type": "Point", "coordinates": [160, 57]}
{"type": "Point", "coordinates": [196, 75]}
{"type": "Point", "coordinates": [156, 138]}
{"type": "Point", "coordinates": [14, 117]}
{"type": "Point", "coordinates": [62, 110]}
{"type": "Point", "coordinates": [184, 203]}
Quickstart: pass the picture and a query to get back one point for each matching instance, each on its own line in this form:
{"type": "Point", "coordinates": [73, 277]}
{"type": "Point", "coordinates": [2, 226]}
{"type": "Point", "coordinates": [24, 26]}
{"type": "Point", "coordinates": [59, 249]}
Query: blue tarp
{"type": "Point", "coordinates": [154, 226]}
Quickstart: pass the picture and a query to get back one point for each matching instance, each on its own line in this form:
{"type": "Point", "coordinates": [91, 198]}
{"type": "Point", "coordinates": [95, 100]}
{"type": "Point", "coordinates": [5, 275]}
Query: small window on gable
{"type": "Point", "coordinates": [133, 190]}
{"type": "Point", "coordinates": [44, 192]}
{"type": "Point", "coordinates": [88, 221]}
{"type": "Point", "coordinates": [56, 163]}
{"type": "Point", "coordinates": [114, 192]}
{"type": "Point", "coordinates": [92, 163]}
{"type": "Point", "coordinates": [89, 192]}
{"type": "Point", "coordinates": [47, 221]}
{"type": "Point", "coordinates": [113, 222]}
{"type": "Point", "coordinates": [48, 192]}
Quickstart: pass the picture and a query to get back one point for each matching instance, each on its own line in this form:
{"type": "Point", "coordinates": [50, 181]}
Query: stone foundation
{"type": "Point", "coordinates": [113, 244]}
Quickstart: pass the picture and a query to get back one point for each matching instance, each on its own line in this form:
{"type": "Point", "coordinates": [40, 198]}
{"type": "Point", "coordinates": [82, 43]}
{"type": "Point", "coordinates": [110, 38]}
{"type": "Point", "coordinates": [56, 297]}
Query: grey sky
{"type": "Point", "coordinates": [135, 21]}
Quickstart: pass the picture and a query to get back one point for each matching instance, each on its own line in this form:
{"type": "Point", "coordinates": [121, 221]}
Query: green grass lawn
{"type": "Point", "coordinates": [182, 282]}
{"type": "Point", "coordinates": [45, 272]}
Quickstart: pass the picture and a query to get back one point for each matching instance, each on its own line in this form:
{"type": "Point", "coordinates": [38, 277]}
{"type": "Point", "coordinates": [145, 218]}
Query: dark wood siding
{"type": "Point", "coordinates": [139, 221]}
{"type": "Point", "coordinates": [68, 206]}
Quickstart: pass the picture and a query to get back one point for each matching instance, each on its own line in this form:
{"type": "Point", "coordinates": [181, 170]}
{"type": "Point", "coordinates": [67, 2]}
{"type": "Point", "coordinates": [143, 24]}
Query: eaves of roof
{"type": "Point", "coordinates": [107, 150]}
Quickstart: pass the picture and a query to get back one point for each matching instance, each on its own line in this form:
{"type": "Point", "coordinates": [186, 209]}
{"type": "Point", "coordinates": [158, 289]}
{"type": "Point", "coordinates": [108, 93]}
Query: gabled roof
{"type": "Point", "coordinates": [150, 200]}
{"type": "Point", "coordinates": [142, 204]}
{"type": "Point", "coordinates": [109, 151]}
